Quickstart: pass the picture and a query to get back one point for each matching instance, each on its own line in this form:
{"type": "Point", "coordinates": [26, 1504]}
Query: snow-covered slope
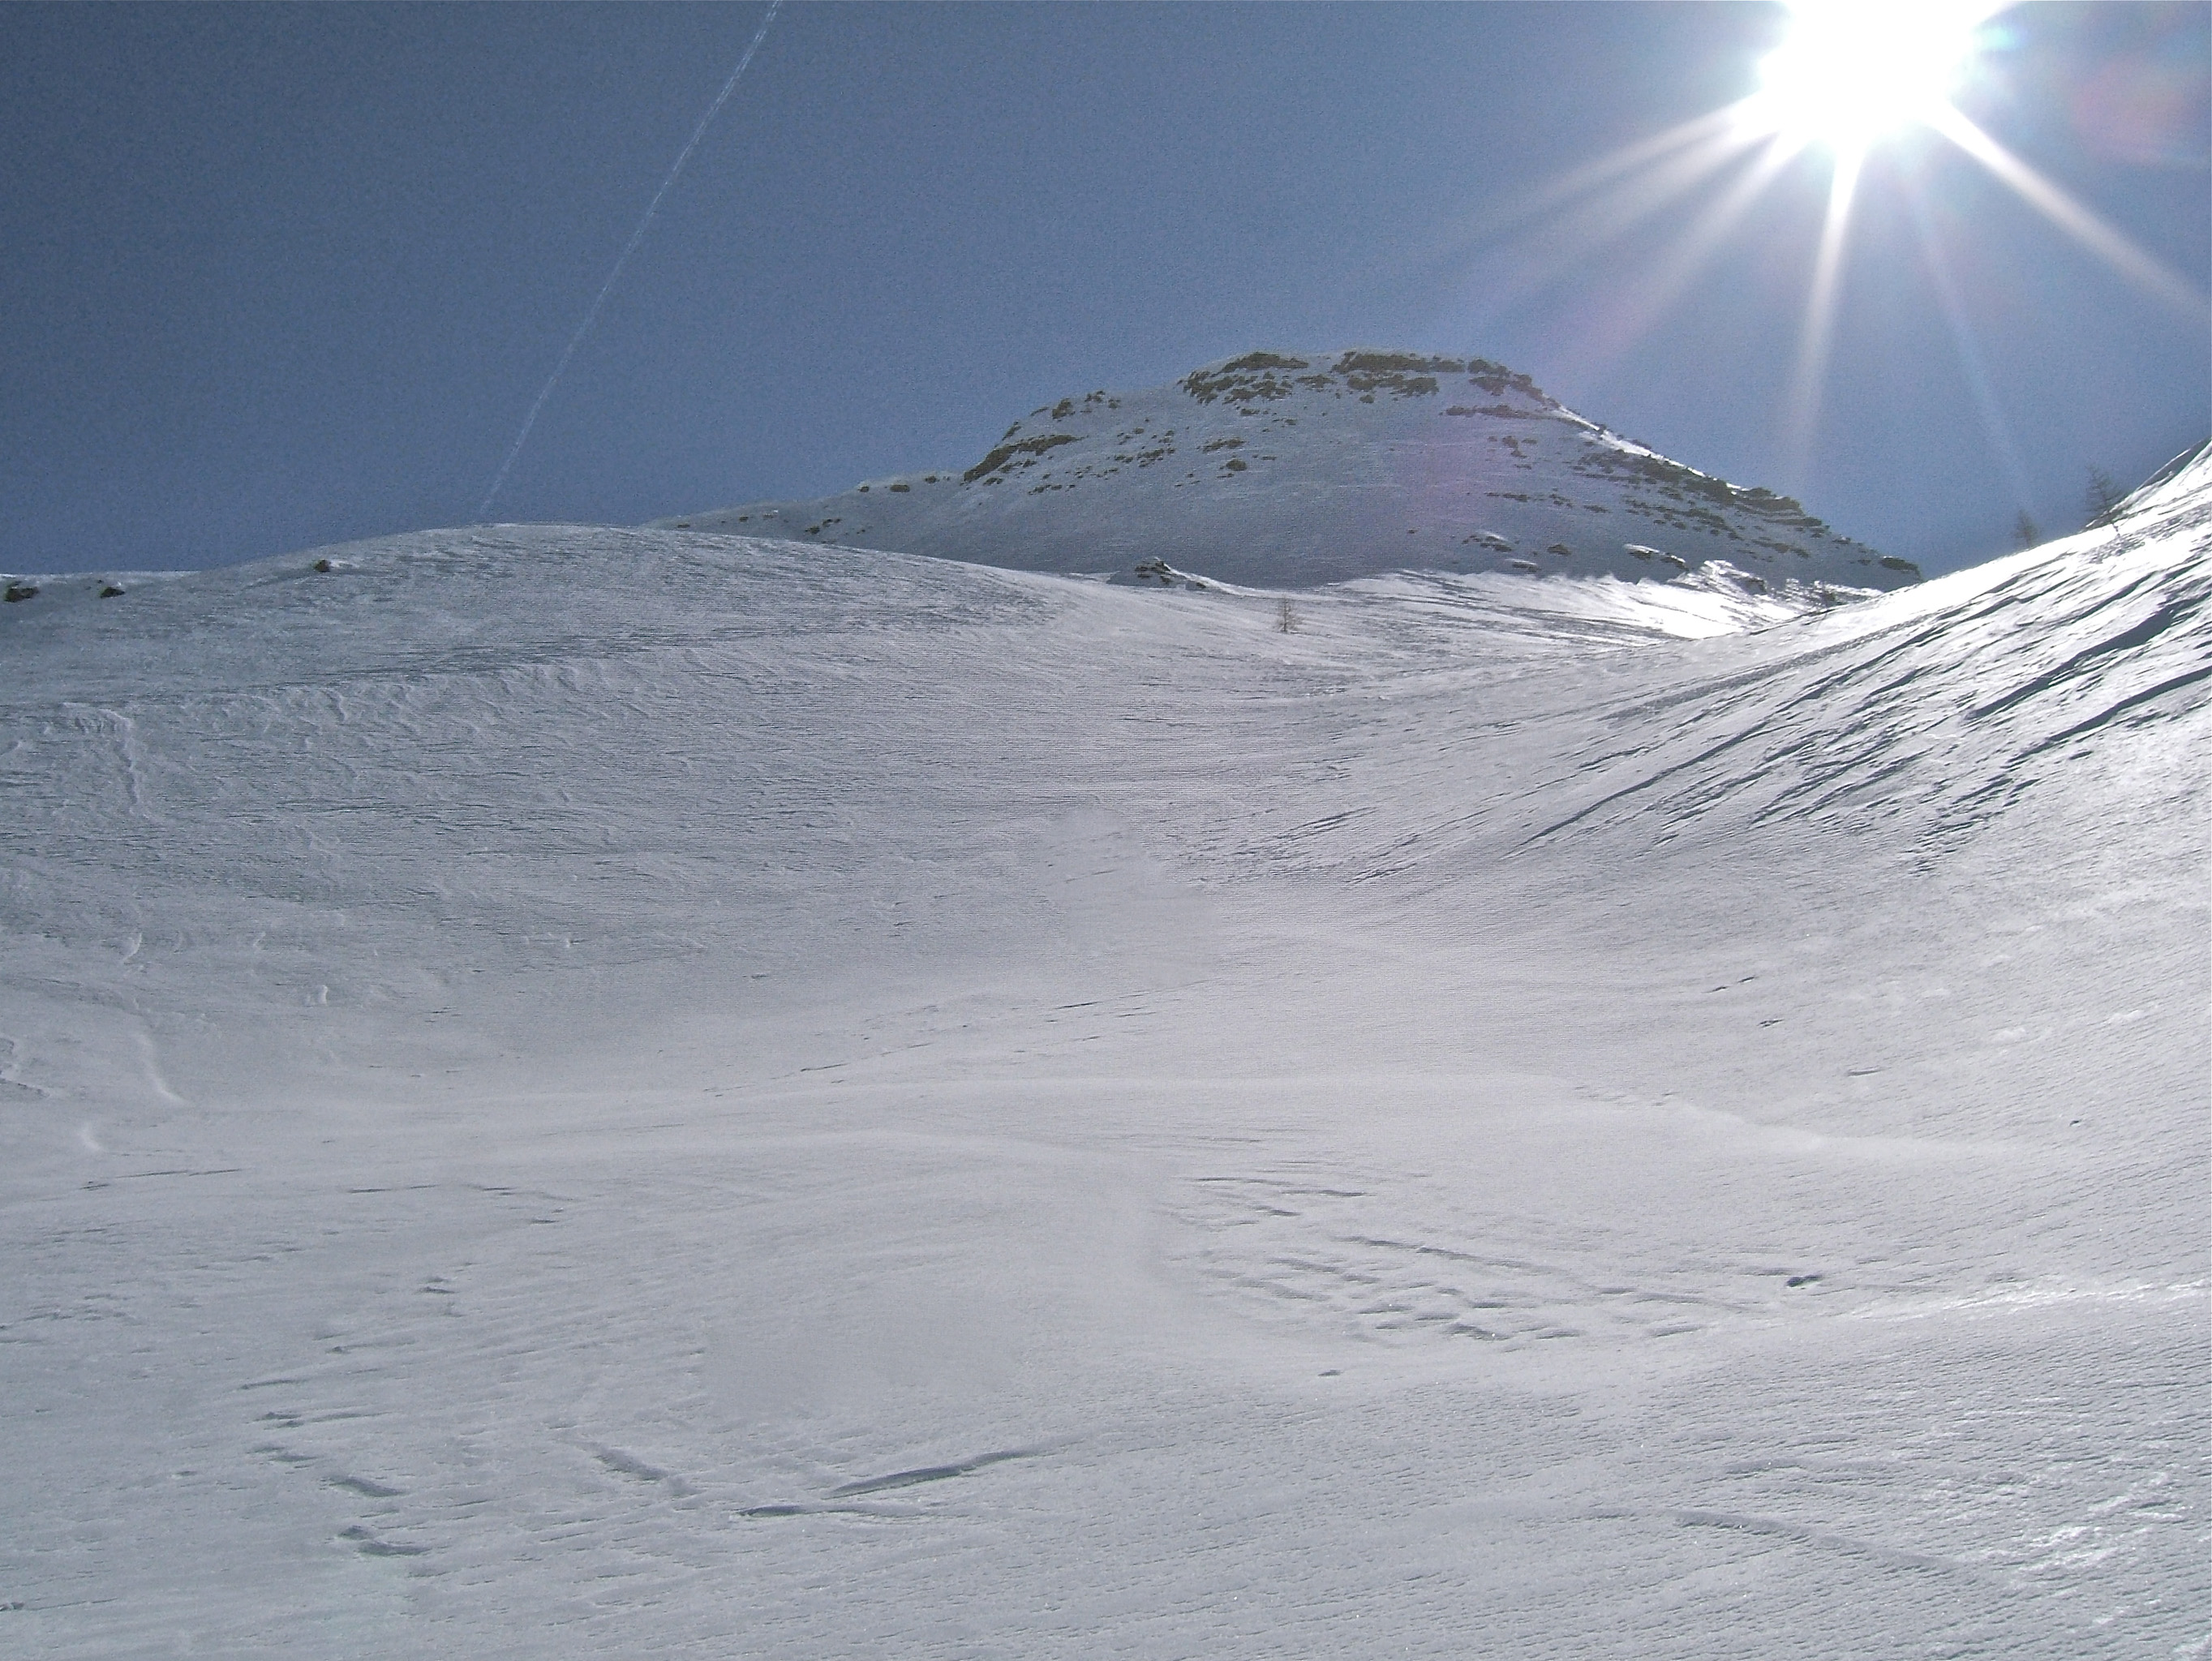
{"type": "Point", "coordinates": [1284, 469]}
{"type": "Point", "coordinates": [571, 1090]}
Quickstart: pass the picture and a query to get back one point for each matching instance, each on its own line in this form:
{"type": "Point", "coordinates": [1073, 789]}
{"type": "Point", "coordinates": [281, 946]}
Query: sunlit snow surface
{"type": "Point", "coordinates": [596, 1092]}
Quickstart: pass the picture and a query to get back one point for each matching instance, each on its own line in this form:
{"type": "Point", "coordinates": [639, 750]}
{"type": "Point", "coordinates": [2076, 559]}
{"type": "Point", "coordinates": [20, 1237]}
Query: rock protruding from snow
{"type": "Point", "coordinates": [1285, 469]}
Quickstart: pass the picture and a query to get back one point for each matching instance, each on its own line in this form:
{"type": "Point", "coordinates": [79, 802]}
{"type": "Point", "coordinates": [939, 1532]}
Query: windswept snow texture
{"type": "Point", "coordinates": [1287, 469]}
{"type": "Point", "coordinates": [573, 1091]}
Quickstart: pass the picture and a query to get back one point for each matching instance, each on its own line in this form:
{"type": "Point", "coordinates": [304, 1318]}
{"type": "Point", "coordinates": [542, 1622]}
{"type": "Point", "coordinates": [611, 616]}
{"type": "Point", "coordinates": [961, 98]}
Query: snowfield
{"type": "Point", "coordinates": [583, 1091]}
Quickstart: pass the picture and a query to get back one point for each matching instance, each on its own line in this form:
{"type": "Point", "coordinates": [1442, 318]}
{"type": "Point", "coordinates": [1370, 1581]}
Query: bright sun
{"type": "Point", "coordinates": [1846, 77]}
{"type": "Point", "coordinates": [1853, 71]}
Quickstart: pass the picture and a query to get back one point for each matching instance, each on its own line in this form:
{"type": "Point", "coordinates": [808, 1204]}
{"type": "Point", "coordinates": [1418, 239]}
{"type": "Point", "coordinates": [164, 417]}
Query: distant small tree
{"type": "Point", "coordinates": [2103, 498]}
{"type": "Point", "coordinates": [1286, 616]}
{"type": "Point", "coordinates": [2025, 531]}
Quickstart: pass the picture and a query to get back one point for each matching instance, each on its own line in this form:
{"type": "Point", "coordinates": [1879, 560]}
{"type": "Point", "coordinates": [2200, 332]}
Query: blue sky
{"type": "Point", "coordinates": [282, 277]}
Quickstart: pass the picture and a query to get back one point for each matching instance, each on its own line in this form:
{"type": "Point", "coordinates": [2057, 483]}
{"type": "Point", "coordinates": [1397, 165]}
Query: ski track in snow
{"type": "Point", "coordinates": [579, 1090]}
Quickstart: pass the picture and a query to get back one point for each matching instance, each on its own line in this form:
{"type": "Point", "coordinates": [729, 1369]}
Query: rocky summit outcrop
{"type": "Point", "coordinates": [1282, 469]}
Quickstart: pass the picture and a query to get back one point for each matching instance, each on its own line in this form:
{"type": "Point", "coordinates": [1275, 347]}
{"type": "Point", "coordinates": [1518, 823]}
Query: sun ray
{"type": "Point", "coordinates": [2144, 270]}
{"type": "Point", "coordinates": [1995, 428]}
{"type": "Point", "coordinates": [1546, 250]}
{"type": "Point", "coordinates": [1605, 170]}
{"type": "Point", "coordinates": [1663, 283]}
{"type": "Point", "coordinates": [1817, 336]}
{"type": "Point", "coordinates": [1500, 274]}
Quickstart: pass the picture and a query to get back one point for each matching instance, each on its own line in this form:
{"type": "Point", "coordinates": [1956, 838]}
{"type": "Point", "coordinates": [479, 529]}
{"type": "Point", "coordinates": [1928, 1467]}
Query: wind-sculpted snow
{"type": "Point", "coordinates": [1947, 716]}
{"type": "Point", "coordinates": [572, 1091]}
{"type": "Point", "coordinates": [1281, 470]}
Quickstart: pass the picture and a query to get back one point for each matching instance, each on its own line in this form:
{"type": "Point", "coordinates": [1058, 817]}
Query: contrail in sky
{"type": "Point", "coordinates": [615, 276]}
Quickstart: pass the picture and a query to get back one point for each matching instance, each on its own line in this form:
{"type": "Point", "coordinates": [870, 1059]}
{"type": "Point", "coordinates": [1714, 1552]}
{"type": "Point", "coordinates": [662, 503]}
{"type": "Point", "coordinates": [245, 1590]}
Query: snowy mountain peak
{"type": "Point", "coordinates": [1281, 469]}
